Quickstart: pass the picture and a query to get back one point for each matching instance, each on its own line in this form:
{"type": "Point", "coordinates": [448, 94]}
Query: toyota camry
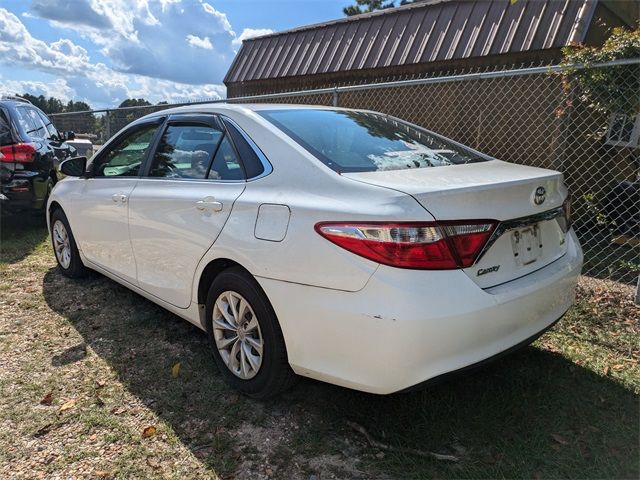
{"type": "Point", "coordinates": [347, 246]}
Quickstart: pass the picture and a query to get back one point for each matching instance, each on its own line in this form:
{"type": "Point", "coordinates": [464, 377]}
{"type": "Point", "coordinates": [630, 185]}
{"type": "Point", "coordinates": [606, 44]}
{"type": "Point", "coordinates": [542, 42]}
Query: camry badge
{"type": "Point", "coordinates": [484, 271]}
{"type": "Point", "coordinates": [539, 196]}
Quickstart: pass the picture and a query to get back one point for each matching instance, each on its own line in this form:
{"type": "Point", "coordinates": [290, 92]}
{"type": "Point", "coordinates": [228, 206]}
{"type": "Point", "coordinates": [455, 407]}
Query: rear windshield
{"type": "Point", "coordinates": [352, 141]}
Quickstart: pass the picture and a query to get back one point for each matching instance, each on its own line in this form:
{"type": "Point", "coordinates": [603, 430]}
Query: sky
{"type": "Point", "coordinates": [104, 51]}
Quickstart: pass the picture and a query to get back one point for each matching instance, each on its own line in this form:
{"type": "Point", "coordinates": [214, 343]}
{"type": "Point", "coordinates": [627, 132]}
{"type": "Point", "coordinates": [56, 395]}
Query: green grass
{"type": "Point", "coordinates": [565, 407]}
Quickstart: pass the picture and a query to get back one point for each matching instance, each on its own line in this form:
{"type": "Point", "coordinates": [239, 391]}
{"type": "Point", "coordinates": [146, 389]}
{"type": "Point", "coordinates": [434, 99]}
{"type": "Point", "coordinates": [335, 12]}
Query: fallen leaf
{"type": "Point", "coordinates": [68, 405]}
{"type": "Point", "coordinates": [559, 439]}
{"type": "Point", "coordinates": [100, 383]}
{"type": "Point", "coordinates": [103, 473]}
{"type": "Point", "coordinates": [118, 410]}
{"type": "Point", "coordinates": [149, 431]}
{"type": "Point", "coordinates": [606, 371]}
{"type": "Point", "coordinates": [153, 462]}
{"type": "Point", "coordinates": [175, 371]}
{"type": "Point", "coordinates": [48, 398]}
{"type": "Point", "coordinates": [620, 366]}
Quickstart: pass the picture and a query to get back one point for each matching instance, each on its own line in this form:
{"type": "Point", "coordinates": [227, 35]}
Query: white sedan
{"type": "Point", "coordinates": [342, 245]}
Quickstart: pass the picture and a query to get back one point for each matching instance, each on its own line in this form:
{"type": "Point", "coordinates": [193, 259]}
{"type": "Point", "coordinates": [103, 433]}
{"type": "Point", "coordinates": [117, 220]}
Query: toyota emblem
{"type": "Point", "coordinates": [539, 196]}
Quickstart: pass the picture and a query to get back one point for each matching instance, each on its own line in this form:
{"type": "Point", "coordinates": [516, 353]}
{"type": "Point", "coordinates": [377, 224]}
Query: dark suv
{"type": "Point", "coordinates": [30, 151]}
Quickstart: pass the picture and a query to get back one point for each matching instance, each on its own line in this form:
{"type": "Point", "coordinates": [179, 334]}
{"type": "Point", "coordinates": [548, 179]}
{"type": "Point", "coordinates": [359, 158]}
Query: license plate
{"type": "Point", "coordinates": [527, 245]}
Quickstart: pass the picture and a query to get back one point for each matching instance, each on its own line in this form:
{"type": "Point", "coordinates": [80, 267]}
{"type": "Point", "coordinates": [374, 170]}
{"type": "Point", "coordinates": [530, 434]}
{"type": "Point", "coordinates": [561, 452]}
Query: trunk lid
{"type": "Point", "coordinates": [527, 238]}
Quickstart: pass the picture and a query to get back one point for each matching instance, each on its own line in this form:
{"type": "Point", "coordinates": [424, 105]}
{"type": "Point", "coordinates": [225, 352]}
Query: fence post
{"type": "Point", "coordinates": [107, 126]}
{"type": "Point", "coordinates": [335, 97]}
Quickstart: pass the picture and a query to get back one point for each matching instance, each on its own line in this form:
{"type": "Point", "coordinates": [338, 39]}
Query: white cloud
{"type": "Point", "coordinates": [153, 38]}
{"type": "Point", "coordinates": [199, 42]}
{"type": "Point", "coordinates": [58, 88]}
{"type": "Point", "coordinates": [251, 33]}
{"type": "Point", "coordinates": [171, 50]}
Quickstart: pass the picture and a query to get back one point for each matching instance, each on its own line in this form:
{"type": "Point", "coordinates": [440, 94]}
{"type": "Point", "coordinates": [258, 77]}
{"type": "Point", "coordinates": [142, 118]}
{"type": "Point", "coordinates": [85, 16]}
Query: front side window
{"type": "Point", "coordinates": [185, 151]}
{"type": "Point", "coordinates": [353, 141]}
{"type": "Point", "coordinates": [51, 130]}
{"type": "Point", "coordinates": [125, 157]}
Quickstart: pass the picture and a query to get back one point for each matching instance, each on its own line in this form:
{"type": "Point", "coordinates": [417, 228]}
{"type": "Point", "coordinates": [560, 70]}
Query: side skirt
{"type": "Point", "coordinates": [191, 314]}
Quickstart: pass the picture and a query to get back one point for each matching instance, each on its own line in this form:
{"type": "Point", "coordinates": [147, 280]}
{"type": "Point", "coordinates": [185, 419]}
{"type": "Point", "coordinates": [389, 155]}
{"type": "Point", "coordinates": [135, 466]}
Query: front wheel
{"type": "Point", "coordinates": [64, 246]}
{"type": "Point", "coordinates": [245, 336]}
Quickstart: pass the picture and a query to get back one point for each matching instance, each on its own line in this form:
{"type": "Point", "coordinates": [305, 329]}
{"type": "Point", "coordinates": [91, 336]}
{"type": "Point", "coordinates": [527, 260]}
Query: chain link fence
{"type": "Point", "coordinates": [537, 116]}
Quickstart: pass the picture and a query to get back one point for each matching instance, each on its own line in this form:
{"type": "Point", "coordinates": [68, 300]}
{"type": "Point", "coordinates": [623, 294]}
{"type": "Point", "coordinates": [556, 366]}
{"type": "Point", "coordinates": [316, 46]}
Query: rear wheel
{"type": "Point", "coordinates": [245, 336]}
{"type": "Point", "coordinates": [64, 246]}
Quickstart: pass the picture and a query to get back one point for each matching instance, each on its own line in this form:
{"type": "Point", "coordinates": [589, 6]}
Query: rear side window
{"type": "Point", "coordinates": [185, 151]}
{"type": "Point", "coordinates": [226, 164]}
{"type": "Point", "coordinates": [252, 165]}
{"type": "Point", "coordinates": [5, 129]}
{"type": "Point", "coordinates": [353, 141]}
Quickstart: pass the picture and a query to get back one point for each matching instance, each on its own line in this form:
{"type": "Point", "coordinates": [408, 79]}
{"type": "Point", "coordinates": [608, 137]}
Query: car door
{"type": "Point", "coordinates": [182, 202]}
{"type": "Point", "coordinates": [101, 203]}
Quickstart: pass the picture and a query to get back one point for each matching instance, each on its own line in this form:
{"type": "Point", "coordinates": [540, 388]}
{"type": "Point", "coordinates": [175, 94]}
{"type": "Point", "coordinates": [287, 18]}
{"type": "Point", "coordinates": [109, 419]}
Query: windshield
{"type": "Point", "coordinates": [352, 141]}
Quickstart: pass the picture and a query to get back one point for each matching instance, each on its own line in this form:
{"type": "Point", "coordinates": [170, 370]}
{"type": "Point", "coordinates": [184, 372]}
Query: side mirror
{"type": "Point", "coordinates": [74, 167]}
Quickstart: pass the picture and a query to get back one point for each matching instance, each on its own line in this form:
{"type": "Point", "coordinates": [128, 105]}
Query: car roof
{"type": "Point", "coordinates": [222, 107]}
{"type": "Point", "coordinates": [13, 100]}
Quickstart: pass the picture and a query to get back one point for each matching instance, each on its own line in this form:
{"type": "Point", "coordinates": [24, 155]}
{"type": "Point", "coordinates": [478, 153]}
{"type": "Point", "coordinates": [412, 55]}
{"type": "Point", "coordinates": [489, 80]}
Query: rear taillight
{"type": "Point", "coordinates": [421, 245]}
{"type": "Point", "coordinates": [566, 208]}
{"type": "Point", "coordinates": [18, 152]}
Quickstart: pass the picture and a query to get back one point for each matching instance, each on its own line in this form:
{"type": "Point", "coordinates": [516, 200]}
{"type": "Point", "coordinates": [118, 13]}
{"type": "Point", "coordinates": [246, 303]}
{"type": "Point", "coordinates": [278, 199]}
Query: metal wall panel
{"type": "Point", "coordinates": [412, 34]}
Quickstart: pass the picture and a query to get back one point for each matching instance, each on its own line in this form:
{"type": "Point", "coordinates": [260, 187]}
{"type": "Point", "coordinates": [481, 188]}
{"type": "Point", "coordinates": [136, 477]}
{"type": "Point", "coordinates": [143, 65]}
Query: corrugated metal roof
{"type": "Point", "coordinates": [429, 31]}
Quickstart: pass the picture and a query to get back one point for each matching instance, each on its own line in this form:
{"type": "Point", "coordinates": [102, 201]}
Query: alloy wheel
{"type": "Point", "coordinates": [237, 335]}
{"type": "Point", "coordinates": [61, 244]}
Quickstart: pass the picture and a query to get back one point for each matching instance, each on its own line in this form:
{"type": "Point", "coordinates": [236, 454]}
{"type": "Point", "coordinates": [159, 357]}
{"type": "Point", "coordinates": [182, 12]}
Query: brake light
{"type": "Point", "coordinates": [18, 152]}
{"type": "Point", "coordinates": [420, 245]}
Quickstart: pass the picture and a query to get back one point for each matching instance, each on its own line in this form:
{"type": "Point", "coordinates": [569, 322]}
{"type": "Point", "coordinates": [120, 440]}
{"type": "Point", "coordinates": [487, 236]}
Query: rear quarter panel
{"type": "Point", "coordinates": [314, 193]}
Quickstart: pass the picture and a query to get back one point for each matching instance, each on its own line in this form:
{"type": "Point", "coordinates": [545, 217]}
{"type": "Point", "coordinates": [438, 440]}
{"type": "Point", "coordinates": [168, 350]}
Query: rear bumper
{"type": "Point", "coordinates": [24, 192]}
{"type": "Point", "coordinates": [476, 366]}
{"type": "Point", "coordinates": [406, 327]}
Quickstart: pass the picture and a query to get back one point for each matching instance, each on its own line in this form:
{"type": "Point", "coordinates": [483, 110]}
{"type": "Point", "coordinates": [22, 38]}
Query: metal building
{"type": "Point", "coordinates": [423, 37]}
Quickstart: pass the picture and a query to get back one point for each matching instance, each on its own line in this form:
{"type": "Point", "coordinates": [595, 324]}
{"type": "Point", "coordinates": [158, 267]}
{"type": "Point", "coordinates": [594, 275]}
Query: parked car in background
{"type": "Point", "coordinates": [31, 150]}
{"type": "Point", "coordinates": [83, 146]}
{"type": "Point", "coordinates": [343, 245]}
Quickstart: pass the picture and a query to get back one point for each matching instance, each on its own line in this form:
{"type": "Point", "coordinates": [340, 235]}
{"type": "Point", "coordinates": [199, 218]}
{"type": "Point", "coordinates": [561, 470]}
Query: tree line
{"type": "Point", "coordinates": [55, 105]}
{"type": "Point", "coordinates": [366, 6]}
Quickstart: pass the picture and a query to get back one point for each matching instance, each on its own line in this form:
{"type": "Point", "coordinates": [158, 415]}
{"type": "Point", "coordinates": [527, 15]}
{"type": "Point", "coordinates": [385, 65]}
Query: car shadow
{"type": "Point", "coordinates": [20, 234]}
{"type": "Point", "coordinates": [531, 414]}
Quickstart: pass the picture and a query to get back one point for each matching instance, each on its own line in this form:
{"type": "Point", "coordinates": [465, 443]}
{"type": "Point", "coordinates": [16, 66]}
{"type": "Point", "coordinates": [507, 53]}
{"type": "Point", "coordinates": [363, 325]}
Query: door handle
{"type": "Point", "coordinates": [209, 204]}
{"type": "Point", "coordinates": [118, 197]}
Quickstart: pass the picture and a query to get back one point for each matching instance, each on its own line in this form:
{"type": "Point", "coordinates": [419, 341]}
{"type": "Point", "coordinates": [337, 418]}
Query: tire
{"type": "Point", "coordinates": [73, 268]}
{"type": "Point", "coordinates": [273, 373]}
